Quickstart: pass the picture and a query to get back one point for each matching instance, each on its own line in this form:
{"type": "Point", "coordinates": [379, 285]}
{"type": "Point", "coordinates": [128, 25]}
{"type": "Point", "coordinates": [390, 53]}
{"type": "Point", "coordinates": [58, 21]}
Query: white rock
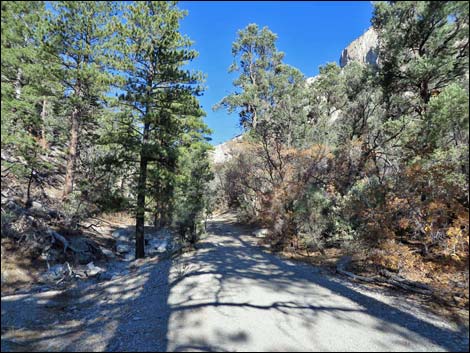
{"type": "Point", "coordinates": [108, 253]}
{"type": "Point", "coordinates": [129, 257]}
{"type": "Point", "coordinates": [158, 245]}
{"type": "Point", "coordinates": [123, 248]}
{"type": "Point", "coordinates": [362, 50]}
{"type": "Point", "coordinates": [261, 233]}
{"type": "Point", "coordinates": [55, 272]}
{"type": "Point", "coordinates": [121, 235]}
{"type": "Point", "coordinates": [224, 151]}
{"type": "Point", "coordinates": [163, 246]}
{"type": "Point", "coordinates": [93, 270]}
{"type": "Point", "coordinates": [37, 205]}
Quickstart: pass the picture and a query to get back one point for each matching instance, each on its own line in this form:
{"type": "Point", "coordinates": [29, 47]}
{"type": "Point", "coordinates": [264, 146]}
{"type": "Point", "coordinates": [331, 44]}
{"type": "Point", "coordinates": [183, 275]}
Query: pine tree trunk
{"type": "Point", "coordinates": [141, 190]}
{"type": "Point", "coordinates": [17, 84]}
{"type": "Point", "coordinates": [72, 156]}
{"type": "Point", "coordinates": [156, 220]}
{"type": "Point", "coordinates": [43, 141]}
{"type": "Point", "coordinates": [29, 201]}
{"type": "Point", "coordinates": [424, 92]}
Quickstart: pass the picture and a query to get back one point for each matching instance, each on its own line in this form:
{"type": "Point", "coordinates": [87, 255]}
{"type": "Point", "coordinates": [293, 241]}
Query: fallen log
{"type": "Point", "coordinates": [409, 288]}
{"type": "Point", "coordinates": [340, 268]}
{"type": "Point", "coordinates": [404, 281]}
{"type": "Point", "coordinates": [392, 279]}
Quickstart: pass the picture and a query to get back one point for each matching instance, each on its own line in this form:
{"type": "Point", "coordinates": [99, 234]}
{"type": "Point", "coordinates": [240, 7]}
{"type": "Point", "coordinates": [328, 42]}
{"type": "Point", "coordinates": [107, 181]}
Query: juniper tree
{"type": "Point", "coordinates": [424, 58]}
{"type": "Point", "coordinates": [423, 45]}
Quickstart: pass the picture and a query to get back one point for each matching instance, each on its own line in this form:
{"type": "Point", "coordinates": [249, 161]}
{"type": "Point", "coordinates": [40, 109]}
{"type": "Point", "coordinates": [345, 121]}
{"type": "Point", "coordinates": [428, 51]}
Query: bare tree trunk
{"type": "Point", "coordinates": [289, 134]}
{"type": "Point", "coordinates": [72, 156]}
{"type": "Point", "coordinates": [43, 141]}
{"type": "Point", "coordinates": [141, 190]}
{"type": "Point", "coordinates": [17, 84]}
{"type": "Point", "coordinates": [156, 220]}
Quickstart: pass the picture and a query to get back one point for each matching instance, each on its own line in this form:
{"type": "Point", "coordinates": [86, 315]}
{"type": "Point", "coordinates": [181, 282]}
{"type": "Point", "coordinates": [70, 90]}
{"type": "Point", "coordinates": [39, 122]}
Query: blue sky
{"type": "Point", "coordinates": [309, 33]}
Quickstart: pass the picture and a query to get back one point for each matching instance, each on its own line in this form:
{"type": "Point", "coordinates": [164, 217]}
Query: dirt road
{"type": "Point", "coordinates": [229, 295]}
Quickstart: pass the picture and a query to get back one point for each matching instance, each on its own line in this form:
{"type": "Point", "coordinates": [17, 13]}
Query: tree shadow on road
{"type": "Point", "coordinates": [235, 257]}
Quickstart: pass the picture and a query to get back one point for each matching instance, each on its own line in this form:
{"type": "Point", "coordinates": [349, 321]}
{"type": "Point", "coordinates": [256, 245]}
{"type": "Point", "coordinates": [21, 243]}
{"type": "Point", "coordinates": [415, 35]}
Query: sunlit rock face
{"type": "Point", "coordinates": [225, 151]}
{"type": "Point", "coordinates": [363, 49]}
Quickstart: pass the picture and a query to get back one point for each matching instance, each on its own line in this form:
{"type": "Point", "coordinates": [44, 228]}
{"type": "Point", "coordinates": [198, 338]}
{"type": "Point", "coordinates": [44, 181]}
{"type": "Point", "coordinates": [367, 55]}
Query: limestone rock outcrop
{"type": "Point", "coordinates": [225, 151]}
{"type": "Point", "coordinates": [363, 49]}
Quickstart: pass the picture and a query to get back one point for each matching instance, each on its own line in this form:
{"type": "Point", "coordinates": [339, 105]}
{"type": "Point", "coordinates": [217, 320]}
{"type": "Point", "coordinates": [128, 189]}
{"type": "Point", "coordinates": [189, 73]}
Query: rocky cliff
{"type": "Point", "coordinates": [224, 151]}
{"type": "Point", "coordinates": [362, 49]}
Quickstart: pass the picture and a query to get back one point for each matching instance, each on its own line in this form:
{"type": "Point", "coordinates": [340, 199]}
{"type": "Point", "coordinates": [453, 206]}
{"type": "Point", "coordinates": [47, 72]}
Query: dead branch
{"type": "Point", "coordinates": [340, 268]}
{"type": "Point", "coordinates": [403, 281]}
{"type": "Point", "coordinates": [57, 237]}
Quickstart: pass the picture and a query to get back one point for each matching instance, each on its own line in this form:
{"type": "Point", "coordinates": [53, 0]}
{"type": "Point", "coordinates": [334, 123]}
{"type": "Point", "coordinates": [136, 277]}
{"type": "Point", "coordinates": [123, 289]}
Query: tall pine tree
{"type": "Point", "coordinates": [81, 32]}
{"type": "Point", "coordinates": [158, 90]}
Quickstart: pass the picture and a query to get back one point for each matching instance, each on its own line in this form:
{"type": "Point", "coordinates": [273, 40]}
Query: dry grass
{"type": "Point", "coordinates": [118, 218]}
{"type": "Point", "coordinates": [447, 277]}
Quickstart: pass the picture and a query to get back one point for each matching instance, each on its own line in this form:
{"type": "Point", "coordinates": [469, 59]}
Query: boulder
{"type": "Point", "coordinates": [39, 210]}
{"type": "Point", "coordinates": [129, 257]}
{"type": "Point", "coordinates": [158, 246]}
{"type": "Point", "coordinates": [93, 270]}
{"type": "Point", "coordinates": [261, 233]}
{"type": "Point", "coordinates": [121, 235]}
{"type": "Point", "coordinates": [35, 205]}
{"type": "Point", "coordinates": [123, 248]}
{"type": "Point", "coordinates": [163, 247]}
{"type": "Point", "coordinates": [82, 251]}
{"type": "Point", "coordinates": [56, 272]}
{"type": "Point", "coordinates": [108, 253]}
